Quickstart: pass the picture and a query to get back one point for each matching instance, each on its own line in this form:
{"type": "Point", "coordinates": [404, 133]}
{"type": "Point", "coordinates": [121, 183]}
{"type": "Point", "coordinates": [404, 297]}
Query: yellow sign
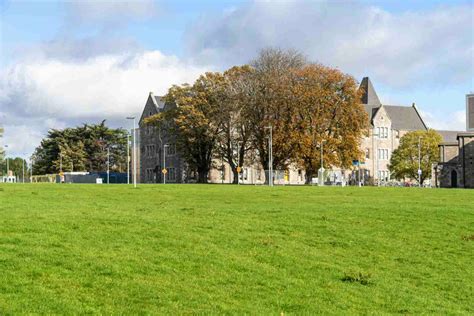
{"type": "Point", "coordinates": [164, 171]}
{"type": "Point", "coordinates": [239, 169]}
{"type": "Point", "coordinates": [61, 174]}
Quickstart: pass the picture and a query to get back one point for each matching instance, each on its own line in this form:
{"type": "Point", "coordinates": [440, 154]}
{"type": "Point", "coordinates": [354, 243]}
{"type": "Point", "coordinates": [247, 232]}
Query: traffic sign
{"type": "Point", "coordinates": [239, 169]}
{"type": "Point", "coordinates": [164, 171]}
{"type": "Point", "coordinates": [419, 171]}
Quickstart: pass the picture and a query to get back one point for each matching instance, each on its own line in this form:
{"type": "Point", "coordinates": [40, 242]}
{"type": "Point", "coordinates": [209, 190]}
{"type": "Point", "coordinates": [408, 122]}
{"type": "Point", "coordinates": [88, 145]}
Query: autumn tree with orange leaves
{"type": "Point", "coordinates": [327, 110]}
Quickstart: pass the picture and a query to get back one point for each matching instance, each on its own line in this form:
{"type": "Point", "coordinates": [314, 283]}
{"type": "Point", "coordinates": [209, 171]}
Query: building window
{"type": "Point", "coordinates": [384, 175]}
{"type": "Point", "coordinates": [382, 154]}
{"type": "Point", "coordinates": [171, 174]}
{"type": "Point", "coordinates": [367, 153]}
{"type": "Point", "coordinates": [170, 149]}
{"type": "Point", "coordinates": [382, 132]}
{"type": "Point", "coordinates": [397, 134]}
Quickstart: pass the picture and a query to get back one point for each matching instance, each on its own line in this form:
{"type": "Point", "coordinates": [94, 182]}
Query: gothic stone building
{"type": "Point", "coordinates": [456, 166]}
{"type": "Point", "coordinates": [387, 124]}
{"type": "Point", "coordinates": [158, 149]}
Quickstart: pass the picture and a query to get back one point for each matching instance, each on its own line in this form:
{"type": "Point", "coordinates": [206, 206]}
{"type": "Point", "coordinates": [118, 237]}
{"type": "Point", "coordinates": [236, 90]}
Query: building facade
{"type": "Point", "coordinates": [456, 166]}
{"type": "Point", "coordinates": [388, 123]}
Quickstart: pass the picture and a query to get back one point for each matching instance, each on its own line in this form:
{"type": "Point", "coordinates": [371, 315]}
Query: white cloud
{"type": "Point", "coordinates": [397, 49]}
{"type": "Point", "coordinates": [51, 92]}
{"type": "Point", "coordinates": [455, 121]}
{"type": "Point", "coordinates": [111, 12]}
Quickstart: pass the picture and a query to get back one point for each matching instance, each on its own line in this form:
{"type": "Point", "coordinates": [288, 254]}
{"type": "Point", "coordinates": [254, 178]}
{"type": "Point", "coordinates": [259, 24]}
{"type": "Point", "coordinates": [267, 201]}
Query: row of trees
{"type": "Point", "coordinates": [82, 148]}
{"type": "Point", "coordinates": [229, 115]}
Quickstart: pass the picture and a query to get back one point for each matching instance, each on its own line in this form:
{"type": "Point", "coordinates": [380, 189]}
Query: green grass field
{"type": "Point", "coordinates": [216, 249]}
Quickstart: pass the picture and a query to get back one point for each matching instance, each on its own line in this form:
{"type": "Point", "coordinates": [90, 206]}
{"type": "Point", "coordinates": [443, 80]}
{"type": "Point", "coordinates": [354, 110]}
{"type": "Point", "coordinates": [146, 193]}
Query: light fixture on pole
{"type": "Point", "coordinates": [128, 157]}
{"type": "Point", "coordinates": [108, 165]}
{"type": "Point", "coordinates": [164, 171]}
{"type": "Point", "coordinates": [321, 169]}
{"type": "Point", "coordinates": [134, 151]}
{"type": "Point", "coordinates": [270, 156]}
{"type": "Point", "coordinates": [419, 161]}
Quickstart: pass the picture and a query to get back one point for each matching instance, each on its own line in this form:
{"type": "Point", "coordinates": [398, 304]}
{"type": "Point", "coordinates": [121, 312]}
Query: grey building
{"type": "Point", "coordinates": [158, 148]}
{"type": "Point", "coordinates": [388, 123]}
{"type": "Point", "coordinates": [456, 166]}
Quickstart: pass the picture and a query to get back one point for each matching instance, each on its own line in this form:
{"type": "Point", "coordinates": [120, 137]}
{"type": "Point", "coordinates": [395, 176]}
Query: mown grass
{"type": "Point", "coordinates": [215, 249]}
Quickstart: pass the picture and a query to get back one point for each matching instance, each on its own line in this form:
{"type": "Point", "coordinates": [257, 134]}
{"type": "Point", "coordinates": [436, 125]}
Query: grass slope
{"type": "Point", "coordinates": [235, 249]}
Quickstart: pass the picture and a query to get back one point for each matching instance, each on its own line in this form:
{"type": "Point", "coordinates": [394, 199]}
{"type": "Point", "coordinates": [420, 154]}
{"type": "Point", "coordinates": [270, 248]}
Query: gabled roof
{"type": "Point", "coordinates": [405, 118]}
{"type": "Point", "coordinates": [449, 136]}
{"type": "Point", "coordinates": [154, 104]}
{"type": "Point", "coordinates": [402, 117]}
{"type": "Point", "coordinates": [369, 96]}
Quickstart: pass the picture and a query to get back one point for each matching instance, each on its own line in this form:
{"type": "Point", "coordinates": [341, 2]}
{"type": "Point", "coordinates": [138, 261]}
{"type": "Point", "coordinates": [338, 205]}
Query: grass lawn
{"type": "Point", "coordinates": [235, 249]}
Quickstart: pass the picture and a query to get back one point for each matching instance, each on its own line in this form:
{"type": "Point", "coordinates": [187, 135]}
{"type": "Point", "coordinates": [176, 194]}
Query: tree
{"type": "Point", "coordinates": [273, 104]}
{"type": "Point", "coordinates": [82, 148]}
{"type": "Point", "coordinates": [195, 120]}
{"type": "Point", "coordinates": [327, 109]}
{"type": "Point", "coordinates": [234, 141]}
{"type": "Point", "coordinates": [404, 161]}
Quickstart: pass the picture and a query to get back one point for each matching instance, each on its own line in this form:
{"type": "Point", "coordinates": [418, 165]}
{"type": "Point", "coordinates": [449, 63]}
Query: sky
{"type": "Point", "coordinates": [64, 63]}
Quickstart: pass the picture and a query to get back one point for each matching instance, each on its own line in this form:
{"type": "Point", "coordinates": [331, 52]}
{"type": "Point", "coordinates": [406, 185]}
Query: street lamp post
{"type": "Point", "coordinates": [128, 157]}
{"type": "Point", "coordinates": [270, 156]}
{"type": "Point", "coordinates": [108, 165]}
{"type": "Point", "coordinates": [164, 162]}
{"type": "Point", "coordinates": [134, 151]}
{"type": "Point", "coordinates": [6, 158]}
{"type": "Point", "coordinates": [419, 161]}
{"type": "Point", "coordinates": [321, 170]}
{"type": "Point", "coordinates": [23, 170]}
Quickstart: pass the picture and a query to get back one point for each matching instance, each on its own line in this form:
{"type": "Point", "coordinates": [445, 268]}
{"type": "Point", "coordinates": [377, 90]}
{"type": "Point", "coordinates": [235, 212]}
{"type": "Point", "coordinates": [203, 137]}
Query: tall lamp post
{"type": "Point", "coordinates": [164, 163]}
{"type": "Point", "coordinates": [134, 151]}
{"type": "Point", "coordinates": [321, 170]}
{"type": "Point", "coordinates": [108, 165]}
{"type": "Point", "coordinates": [270, 156]}
{"type": "Point", "coordinates": [128, 157]}
{"type": "Point", "coordinates": [419, 161]}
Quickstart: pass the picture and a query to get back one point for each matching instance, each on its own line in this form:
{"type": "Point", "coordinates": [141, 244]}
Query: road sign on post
{"type": "Point", "coordinates": [164, 171]}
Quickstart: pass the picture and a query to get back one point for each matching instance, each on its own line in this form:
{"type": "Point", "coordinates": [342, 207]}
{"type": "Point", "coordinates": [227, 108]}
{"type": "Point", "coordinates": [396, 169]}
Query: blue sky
{"type": "Point", "coordinates": [64, 63]}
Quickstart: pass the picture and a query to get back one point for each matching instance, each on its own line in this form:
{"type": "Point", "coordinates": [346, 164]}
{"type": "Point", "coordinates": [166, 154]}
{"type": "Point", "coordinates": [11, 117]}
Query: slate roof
{"type": "Point", "coordinates": [402, 117]}
{"type": "Point", "coordinates": [369, 96]}
{"type": "Point", "coordinates": [449, 136]}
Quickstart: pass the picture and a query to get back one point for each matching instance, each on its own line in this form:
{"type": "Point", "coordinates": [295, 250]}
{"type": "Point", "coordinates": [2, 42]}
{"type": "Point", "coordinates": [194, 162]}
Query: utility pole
{"type": "Point", "coordinates": [31, 170]}
{"type": "Point", "coordinates": [108, 165]}
{"type": "Point", "coordinates": [419, 161]}
{"type": "Point", "coordinates": [134, 151]}
{"type": "Point", "coordinates": [321, 170]}
{"type": "Point", "coordinates": [270, 156]}
{"type": "Point", "coordinates": [164, 163]}
{"type": "Point", "coordinates": [23, 170]}
{"type": "Point", "coordinates": [128, 157]}
{"type": "Point", "coordinates": [238, 163]}
{"type": "Point", "coordinates": [60, 163]}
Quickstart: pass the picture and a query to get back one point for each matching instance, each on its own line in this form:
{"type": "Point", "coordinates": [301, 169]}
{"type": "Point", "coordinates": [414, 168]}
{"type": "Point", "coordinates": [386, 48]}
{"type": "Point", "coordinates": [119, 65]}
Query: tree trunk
{"type": "Point", "coordinates": [308, 176]}
{"type": "Point", "coordinates": [236, 176]}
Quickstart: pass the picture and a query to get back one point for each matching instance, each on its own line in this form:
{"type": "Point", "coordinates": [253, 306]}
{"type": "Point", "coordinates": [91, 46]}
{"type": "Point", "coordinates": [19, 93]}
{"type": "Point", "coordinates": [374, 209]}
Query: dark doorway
{"type": "Point", "coordinates": [454, 179]}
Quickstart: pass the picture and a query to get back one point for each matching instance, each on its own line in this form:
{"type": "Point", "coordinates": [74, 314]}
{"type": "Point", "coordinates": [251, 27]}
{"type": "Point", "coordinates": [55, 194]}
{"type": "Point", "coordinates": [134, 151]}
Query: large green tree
{"type": "Point", "coordinates": [82, 148]}
{"type": "Point", "coordinates": [415, 147]}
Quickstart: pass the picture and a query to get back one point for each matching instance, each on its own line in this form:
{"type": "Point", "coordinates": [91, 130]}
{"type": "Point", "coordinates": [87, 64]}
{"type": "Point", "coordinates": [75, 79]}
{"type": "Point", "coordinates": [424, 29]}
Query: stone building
{"type": "Point", "coordinates": [456, 166]}
{"type": "Point", "coordinates": [158, 149]}
{"type": "Point", "coordinates": [387, 124]}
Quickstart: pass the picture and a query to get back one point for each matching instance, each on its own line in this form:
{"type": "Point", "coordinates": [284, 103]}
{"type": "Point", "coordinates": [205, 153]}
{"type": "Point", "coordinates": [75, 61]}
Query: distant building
{"type": "Point", "coordinates": [456, 166]}
{"type": "Point", "coordinates": [388, 123]}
